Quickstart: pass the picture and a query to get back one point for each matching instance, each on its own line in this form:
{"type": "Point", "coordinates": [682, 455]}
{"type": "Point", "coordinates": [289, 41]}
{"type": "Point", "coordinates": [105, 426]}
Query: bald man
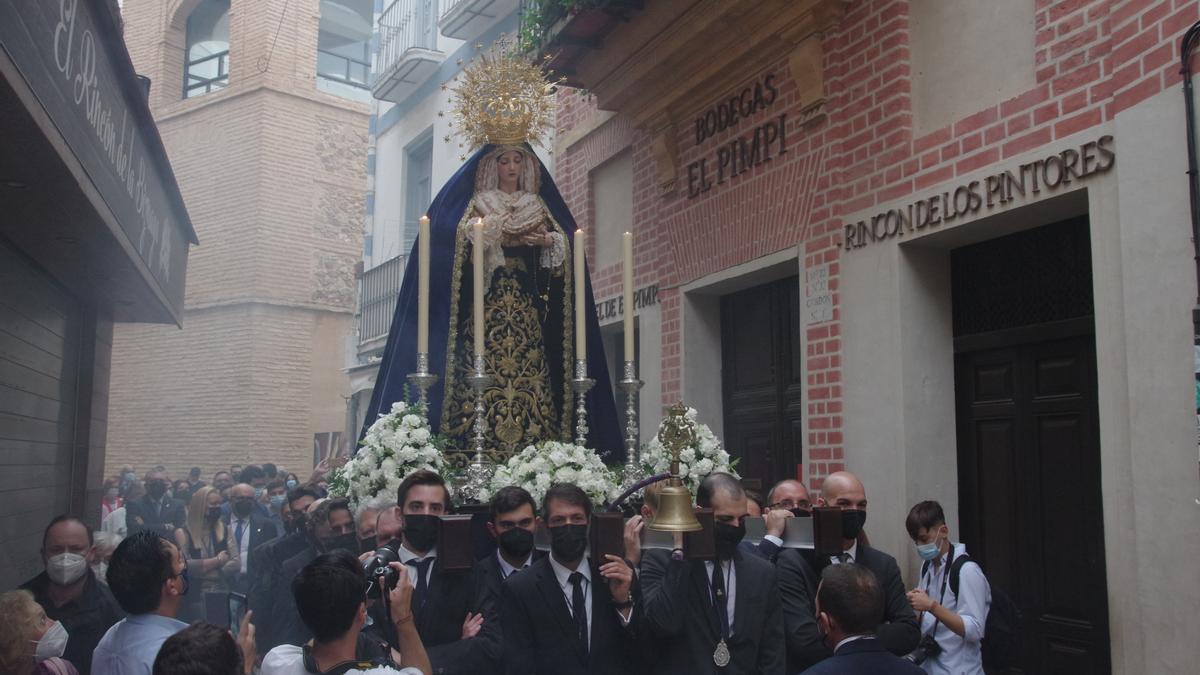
{"type": "Point", "coordinates": [787, 499]}
{"type": "Point", "coordinates": [388, 526]}
{"type": "Point", "coordinates": [800, 573]}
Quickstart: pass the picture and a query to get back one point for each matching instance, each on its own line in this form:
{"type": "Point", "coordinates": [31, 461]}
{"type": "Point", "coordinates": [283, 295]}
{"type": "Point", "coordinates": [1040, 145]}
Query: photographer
{"type": "Point", "coordinates": [330, 595]}
{"type": "Point", "coordinates": [952, 612]}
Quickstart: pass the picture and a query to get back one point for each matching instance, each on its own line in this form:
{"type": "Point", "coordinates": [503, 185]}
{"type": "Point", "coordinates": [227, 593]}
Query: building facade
{"type": "Point", "coordinates": [262, 107]}
{"type": "Point", "coordinates": [421, 45]}
{"type": "Point", "coordinates": [93, 235]}
{"type": "Point", "coordinates": [943, 245]}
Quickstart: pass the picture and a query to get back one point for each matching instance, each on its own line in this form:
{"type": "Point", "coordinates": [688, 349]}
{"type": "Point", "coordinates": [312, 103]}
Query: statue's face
{"type": "Point", "coordinates": [509, 167]}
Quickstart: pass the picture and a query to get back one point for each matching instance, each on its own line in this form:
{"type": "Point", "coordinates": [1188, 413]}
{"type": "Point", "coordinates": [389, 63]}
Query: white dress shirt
{"type": "Point", "coordinates": [407, 555]}
{"type": "Point", "coordinates": [730, 572]}
{"type": "Point", "coordinates": [506, 570]}
{"type": "Point", "coordinates": [853, 551]}
{"type": "Point", "coordinates": [563, 575]}
{"type": "Point", "coordinates": [959, 654]}
{"type": "Point", "coordinates": [852, 638]}
{"type": "Point", "coordinates": [244, 544]}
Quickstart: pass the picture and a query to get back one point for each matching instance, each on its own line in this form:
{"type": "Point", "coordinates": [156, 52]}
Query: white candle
{"type": "Point", "coordinates": [477, 290]}
{"type": "Point", "coordinates": [580, 315]}
{"type": "Point", "coordinates": [628, 295]}
{"type": "Point", "coordinates": [423, 286]}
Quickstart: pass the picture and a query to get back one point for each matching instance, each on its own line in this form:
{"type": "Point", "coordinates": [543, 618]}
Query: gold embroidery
{"type": "Point", "coordinates": [520, 405]}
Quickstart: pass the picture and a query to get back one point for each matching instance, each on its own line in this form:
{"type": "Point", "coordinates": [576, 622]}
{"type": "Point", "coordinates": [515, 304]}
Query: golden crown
{"type": "Point", "coordinates": [503, 99]}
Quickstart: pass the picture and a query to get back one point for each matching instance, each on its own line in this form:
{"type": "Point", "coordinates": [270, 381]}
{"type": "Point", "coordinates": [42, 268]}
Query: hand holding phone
{"type": "Point", "coordinates": [237, 611]}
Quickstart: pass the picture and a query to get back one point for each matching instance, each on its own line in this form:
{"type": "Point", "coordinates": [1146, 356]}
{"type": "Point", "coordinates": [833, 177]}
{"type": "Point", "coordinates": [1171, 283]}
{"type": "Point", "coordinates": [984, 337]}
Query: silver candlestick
{"type": "Point", "coordinates": [581, 385]}
{"type": "Point", "coordinates": [422, 380]}
{"type": "Point", "coordinates": [631, 385]}
{"type": "Point", "coordinates": [480, 470]}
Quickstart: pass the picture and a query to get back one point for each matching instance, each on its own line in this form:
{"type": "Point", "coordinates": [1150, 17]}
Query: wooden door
{"type": "Point", "coordinates": [1030, 498]}
{"type": "Point", "coordinates": [762, 380]}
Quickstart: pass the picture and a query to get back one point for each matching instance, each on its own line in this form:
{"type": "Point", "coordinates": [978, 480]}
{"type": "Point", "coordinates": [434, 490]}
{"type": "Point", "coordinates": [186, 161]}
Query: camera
{"type": "Point", "coordinates": [377, 566]}
{"type": "Point", "coordinates": [928, 648]}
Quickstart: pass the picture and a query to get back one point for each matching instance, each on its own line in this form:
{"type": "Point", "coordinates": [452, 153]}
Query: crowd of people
{"type": "Point", "coordinates": [335, 589]}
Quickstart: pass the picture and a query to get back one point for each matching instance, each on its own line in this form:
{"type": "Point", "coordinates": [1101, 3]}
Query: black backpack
{"type": "Point", "coordinates": [1002, 630]}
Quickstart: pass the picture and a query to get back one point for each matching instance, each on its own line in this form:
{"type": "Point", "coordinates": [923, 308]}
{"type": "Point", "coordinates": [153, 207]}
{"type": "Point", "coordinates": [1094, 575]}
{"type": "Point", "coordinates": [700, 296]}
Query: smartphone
{"type": "Point", "coordinates": [237, 611]}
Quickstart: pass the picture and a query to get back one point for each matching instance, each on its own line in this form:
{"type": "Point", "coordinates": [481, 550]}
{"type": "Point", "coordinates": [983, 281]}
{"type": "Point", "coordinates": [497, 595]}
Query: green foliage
{"type": "Point", "coordinates": [539, 15]}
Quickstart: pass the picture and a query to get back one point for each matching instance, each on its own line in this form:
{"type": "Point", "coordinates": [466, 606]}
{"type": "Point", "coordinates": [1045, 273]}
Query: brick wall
{"type": "Point", "coordinates": [1094, 58]}
{"type": "Point", "coordinates": [273, 172]}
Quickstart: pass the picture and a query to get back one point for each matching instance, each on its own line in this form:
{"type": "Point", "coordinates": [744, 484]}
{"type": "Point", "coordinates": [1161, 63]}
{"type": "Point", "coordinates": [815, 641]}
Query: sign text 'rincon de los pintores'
{"type": "Point", "coordinates": [1049, 173]}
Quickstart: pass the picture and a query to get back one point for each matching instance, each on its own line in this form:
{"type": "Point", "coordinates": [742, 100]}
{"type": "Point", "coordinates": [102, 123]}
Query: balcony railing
{"type": "Point", "coordinates": [468, 19]}
{"type": "Point", "coordinates": [405, 25]}
{"type": "Point", "coordinates": [377, 297]}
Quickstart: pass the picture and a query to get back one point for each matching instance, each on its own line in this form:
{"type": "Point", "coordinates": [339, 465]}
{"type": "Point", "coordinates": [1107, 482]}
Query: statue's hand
{"type": "Point", "coordinates": [540, 238]}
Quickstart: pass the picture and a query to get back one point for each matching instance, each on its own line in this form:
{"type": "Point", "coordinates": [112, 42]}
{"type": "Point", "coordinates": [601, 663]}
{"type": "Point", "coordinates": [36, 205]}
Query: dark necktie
{"type": "Point", "coordinates": [844, 557]}
{"type": "Point", "coordinates": [720, 598]}
{"type": "Point", "coordinates": [579, 607]}
{"type": "Point", "coordinates": [420, 585]}
{"type": "Point", "coordinates": [241, 529]}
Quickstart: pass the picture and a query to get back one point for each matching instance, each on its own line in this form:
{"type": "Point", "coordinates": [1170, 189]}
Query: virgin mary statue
{"type": "Point", "coordinates": [529, 332]}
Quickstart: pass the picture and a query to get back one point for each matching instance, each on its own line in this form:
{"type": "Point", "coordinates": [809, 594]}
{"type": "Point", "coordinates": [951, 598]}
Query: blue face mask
{"type": "Point", "coordinates": [277, 501]}
{"type": "Point", "coordinates": [929, 551]}
{"type": "Point", "coordinates": [292, 483]}
{"type": "Point", "coordinates": [259, 492]}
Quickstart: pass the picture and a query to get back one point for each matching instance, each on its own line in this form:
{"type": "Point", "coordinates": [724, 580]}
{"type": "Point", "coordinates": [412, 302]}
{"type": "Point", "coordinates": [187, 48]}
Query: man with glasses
{"type": "Point", "coordinates": [149, 578]}
{"type": "Point", "coordinates": [249, 529]}
{"type": "Point", "coordinates": [787, 499]}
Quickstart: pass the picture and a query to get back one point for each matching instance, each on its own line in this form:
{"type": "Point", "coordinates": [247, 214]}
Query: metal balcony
{"type": "Point", "coordinates": [468, 19]}
{"type": "Point", "coordinates": [380, 286]}
{"type": "Point", "coordinates": [408, 54]}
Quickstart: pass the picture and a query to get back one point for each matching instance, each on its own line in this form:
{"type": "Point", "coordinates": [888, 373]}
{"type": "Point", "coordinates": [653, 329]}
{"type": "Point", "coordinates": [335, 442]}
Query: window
{"type": "Point", "coordinates": [612, 199]}
{"type": "Point", "coordinates": [343, 47]}
{"type": "Point", "coordinates": [418, 186]}
{"type": "Point", "coordinates": [207, 55]}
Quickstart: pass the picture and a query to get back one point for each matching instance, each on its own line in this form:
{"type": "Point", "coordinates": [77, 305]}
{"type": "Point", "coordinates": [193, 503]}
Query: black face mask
{"type": "Point", "coordinates": [421, 532]}
{"type": "Point", "coordinates": [156, 489]}
{"type": "Point", "coordinates": [516, 543]}
{"type": "Point", "coordinates": [367, 545]}
{"type": "Point", "coordinates": [801, 513]}
{"type": "Point", "coordinates": [347, 542]}
{"type": "Point", "coordinates": [726, 537]}
{"type": "Point", "coordinates": [242, 508]}
{"type": "Point", "coordinates": [852, 523]}
{"type": "Point", "coordinates": [568, 542]}
{"type": "Point", "coordinates": [213, 513]}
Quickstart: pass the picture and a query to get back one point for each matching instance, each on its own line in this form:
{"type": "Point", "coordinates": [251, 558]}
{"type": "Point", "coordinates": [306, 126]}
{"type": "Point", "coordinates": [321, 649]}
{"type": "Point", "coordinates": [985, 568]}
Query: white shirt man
{"type": "Point", "coordinates": [960, 654]}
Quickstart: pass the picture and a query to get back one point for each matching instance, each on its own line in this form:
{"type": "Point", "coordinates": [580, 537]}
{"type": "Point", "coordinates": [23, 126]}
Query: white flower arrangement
{"type": "Point", "coordinates": [537, 467]}
{"type": "Point", "coordinates": [396, 445]}
{"type": "Point", "coordinates": [696, 460]}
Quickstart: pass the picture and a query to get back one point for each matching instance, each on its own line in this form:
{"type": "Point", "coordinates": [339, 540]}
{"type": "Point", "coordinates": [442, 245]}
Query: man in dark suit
{"type": "Point", "coordinates": [248, 529]}
{"type": "Point", "coordinates": [459, 630]}
{"type": "Point", "coordinates": [512, 524]}
{"type": "Point", "coordinates": [898, 629]}
{"type": "Point", "coordinates": [330, 527]}
{"type": "Point", "coordinates": [562, 615]}
{"type": "Point", "coordinates": [788, 498]}
{"type": "Point", "coordinates": [849, 603]}
{"type": "Point", "coordinates": [714, 616]}
{"type": "Point", "coordinates": [267, 562]}
{"type": "Point", "coordinates": [156, 511]}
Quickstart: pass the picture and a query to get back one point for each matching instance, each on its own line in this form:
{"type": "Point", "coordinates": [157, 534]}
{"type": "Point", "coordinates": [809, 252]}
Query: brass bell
{"type": "Point", "coordinates": [675, 513]}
